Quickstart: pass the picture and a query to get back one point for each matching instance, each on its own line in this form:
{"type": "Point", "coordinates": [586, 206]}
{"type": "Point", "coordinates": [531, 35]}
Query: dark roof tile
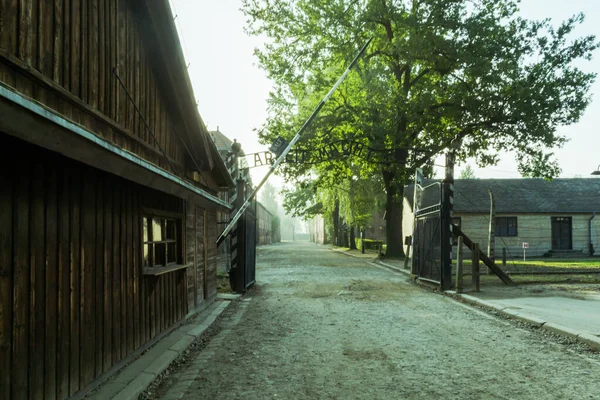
{"type": "Point", "coordinates": [579, 195]}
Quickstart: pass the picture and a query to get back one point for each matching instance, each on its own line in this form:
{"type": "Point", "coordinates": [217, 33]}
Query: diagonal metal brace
{"type": "Point", "coordinates": [291, 144]}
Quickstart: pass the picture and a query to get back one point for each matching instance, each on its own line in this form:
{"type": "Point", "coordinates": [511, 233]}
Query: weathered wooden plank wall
{"type": "Point", "coordinates": [64, 54]}
{"type": "Point", "coordinates": [73, 300]}
{"type": "Point", "coordinates": [211, 252]}
{"type": "Point", "coordinates": [199, 265]}
{"type": "Point", "coordinates": [200, 252]}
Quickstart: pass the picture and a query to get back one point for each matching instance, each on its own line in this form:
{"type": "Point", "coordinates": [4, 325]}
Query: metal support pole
{"type": "Point", "coordinates": [291, 144]}
{"type": "Point", "coordinates": [491, 251]}
{"type": "Point", "coordinates": [237, 274]}
{"type": "Point", "coordinates": [475, 267]}
{"type": "Point", "coordinates": [408, 242]}
{"type": "Point", "coordinates": [459, 265]}
{"type": "Point", "coordinates": [446, 221]}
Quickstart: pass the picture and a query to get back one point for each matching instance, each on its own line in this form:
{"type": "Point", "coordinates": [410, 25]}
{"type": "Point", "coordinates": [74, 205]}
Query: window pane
{"type": "Point", "coordinates": [160, 256]}
{"type": "Point", "coordinates": [171, 229]}
{"type": "Point", "coordinates": [145, 228]}
{"type": "Point", "coordinates": [512, 226]}
{"type": "Point", "coordinates": [500, 227]}
{"type": "Point", "coordinates": [157, 230]}
{"type": "Point", "coordinates": [146, 255]}
{"type": "Point", "coordinates": [171, 253]}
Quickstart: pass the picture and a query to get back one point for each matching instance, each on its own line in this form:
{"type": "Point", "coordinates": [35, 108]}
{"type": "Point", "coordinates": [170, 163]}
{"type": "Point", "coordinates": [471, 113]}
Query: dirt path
{"type": "Point", "coordinates": [321, 325]}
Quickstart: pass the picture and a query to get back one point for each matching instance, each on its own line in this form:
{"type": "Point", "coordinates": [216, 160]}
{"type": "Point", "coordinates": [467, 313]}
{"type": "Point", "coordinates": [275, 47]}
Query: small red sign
{"type": "Point", "coordinates": [525, 245]}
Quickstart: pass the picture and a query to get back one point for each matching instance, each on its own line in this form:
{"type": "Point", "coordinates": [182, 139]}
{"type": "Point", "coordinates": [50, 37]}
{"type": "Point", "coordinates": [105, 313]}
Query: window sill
{"type": "Point", "coordinates": [155, 271]}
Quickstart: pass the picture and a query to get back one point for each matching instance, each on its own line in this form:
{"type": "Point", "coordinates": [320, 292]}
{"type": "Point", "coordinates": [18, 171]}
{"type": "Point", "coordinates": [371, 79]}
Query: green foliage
{"type": "Point", "coordinates": [268, 198]}
{"type": "Point", "coordinates": [437, 71]}
{"type": "Point", "coordinates": [467, 173]}
{"type": "Point", "coordinates": [370, 244]}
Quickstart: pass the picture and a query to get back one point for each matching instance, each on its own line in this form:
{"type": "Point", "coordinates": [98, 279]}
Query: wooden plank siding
{"type": "Point", "coordinates": [75, 304]}
{"type": "Point", "coordinates": [74, 48]}
{"type": "Point", "coordinates": [74, 301]}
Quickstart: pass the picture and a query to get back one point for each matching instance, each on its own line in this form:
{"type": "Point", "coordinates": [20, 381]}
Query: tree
{"type": "Point", "coordinates": [268, 198]}
{"type": "Point", "coordinates": [437, 71]}
{"type": "Point", "coordinates": [467, 173]}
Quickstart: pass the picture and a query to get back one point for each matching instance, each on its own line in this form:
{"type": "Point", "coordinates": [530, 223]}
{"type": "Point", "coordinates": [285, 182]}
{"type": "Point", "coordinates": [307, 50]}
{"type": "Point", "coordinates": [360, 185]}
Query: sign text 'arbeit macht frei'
{"type": "Point", "coordinates": [335, 150]}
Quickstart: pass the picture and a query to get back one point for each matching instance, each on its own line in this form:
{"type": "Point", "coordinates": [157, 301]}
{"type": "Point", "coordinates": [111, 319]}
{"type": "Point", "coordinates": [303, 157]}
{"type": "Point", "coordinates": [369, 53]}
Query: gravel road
{"type": "Point", "coordinates": [320, 325]}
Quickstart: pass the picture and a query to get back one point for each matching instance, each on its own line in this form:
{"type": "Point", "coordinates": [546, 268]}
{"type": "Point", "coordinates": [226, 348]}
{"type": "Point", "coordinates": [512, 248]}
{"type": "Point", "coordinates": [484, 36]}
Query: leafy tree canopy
{"type": "Point", "coordinates": [268, 198]}
{"type": "Point", "coordinates": [467, 173]}
{"type": "Point", "coordinates": [436, 71]}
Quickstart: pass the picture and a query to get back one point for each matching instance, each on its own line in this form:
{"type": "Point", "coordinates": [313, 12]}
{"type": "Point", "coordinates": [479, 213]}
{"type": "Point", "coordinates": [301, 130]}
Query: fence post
{"type": "Point", "coordinates": [362, 241]}
{"type": "Point", "coordinates": [408, 243]}
{"type": "Point", "coordinates": [475, 266]}
{"type": "Point", "coordinates": [446, 218]}
{"type": "Point", "coordinates": [459, 265]}
{"type": "Point", "coordinates": [504, 256]}
{"type": "Point", "coordinates": [491, 253]}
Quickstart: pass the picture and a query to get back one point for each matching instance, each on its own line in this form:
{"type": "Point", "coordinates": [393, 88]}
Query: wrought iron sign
{"type": "Point", "coordinates": [336, 150]}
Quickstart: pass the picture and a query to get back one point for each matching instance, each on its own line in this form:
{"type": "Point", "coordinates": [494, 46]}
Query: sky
{"type": "Point", "coordinates": [232, 90]}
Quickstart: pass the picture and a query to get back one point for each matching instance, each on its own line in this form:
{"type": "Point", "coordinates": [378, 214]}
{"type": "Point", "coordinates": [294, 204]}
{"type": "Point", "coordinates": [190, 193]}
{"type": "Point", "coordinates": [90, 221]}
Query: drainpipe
{"type": "Point", "coordinates": [590, 232]}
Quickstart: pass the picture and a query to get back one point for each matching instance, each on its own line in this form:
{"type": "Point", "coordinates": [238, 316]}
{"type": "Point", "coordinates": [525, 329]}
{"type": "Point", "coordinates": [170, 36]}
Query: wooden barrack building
{"type": "Point", "coordinates": [108, 194]}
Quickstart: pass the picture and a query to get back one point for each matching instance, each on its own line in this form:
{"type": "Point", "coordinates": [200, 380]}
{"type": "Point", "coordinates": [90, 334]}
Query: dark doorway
{"type": "Point", "coordinates": [562, 233]}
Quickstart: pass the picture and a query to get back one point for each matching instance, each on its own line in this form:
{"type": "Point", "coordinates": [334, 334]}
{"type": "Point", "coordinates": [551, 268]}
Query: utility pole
{"type": "Point", "coordinates": [491, 252]}
{"type": "Point", "coordinates": [446, 217]}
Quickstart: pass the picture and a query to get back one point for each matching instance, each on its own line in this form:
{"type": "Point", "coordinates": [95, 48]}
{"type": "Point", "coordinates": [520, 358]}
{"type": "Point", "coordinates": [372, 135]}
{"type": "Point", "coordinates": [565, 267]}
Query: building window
{"type": "Point", "coordinates": [506, 226]}
{"type": "Point", "coordinates": [161, 236]}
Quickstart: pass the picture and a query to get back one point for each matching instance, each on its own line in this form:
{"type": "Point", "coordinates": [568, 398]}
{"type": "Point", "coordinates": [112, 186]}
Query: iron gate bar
{"type": "Point", "coordinates": [429, 258]}
{"type": "Point", "coordinates": [427, 233]}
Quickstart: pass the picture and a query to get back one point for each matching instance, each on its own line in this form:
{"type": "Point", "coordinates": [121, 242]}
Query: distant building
{"type": "Point", "coordinates": [266, 231]}
{"type": "Point", "coordinates": [555, 217]}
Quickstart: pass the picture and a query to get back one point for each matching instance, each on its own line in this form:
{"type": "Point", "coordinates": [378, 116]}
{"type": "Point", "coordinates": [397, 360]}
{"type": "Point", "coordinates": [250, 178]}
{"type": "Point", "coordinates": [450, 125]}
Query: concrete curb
{"type": "Point", "coordinates": [137, 376]}
{"type": "Point", "coordinates": [374, 258]}
{"type": "Point", "coordinates": [376, 262]}
{"type": "Point", "coordinates": [584, 337]}
{"type": "Point", "coordinates": [393, 268]}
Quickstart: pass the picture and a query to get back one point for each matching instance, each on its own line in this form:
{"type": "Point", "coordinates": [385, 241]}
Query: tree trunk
{"type": "Point", "coordinates": [336, 223]}
{"type": "Point", "coordinates": [393, 212]}
{"type": "Point", "coordinates": [352, 238]}
{"type": "Point", "coordinates": [346, 241]}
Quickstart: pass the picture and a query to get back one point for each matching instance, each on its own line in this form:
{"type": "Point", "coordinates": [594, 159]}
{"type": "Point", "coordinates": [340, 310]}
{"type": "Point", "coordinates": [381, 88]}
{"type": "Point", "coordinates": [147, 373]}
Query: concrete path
{"type": "Point", "coordinates": [572, 313]}
{"type": "Point", "coordinates": [579, 314]}
{"type": "Point", "coordinates": [322, 325]}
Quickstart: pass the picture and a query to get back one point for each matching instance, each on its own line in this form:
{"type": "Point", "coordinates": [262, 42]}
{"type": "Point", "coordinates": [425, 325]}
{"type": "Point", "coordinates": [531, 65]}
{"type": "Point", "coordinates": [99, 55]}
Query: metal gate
{"type": "Point", "coordinates": [427, 233]}
{"type": "Point", "coordinates": [243, 264]}
{"type": "Point", "coordinates": [250, 246]}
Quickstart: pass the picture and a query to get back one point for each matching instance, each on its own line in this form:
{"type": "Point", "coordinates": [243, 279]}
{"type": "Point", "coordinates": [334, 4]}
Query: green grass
{"type": "Point", "coordinates": [540, 278]}
{"type": "Point", "coordinates": [569, 262]}
{"type": "Point", "coordinates": [564, 264]}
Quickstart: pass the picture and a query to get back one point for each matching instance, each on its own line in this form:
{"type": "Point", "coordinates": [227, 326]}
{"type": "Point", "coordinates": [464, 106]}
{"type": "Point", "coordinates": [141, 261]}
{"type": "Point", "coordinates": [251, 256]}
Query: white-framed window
{"type": "Point", "coordinates": [161, 236]}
